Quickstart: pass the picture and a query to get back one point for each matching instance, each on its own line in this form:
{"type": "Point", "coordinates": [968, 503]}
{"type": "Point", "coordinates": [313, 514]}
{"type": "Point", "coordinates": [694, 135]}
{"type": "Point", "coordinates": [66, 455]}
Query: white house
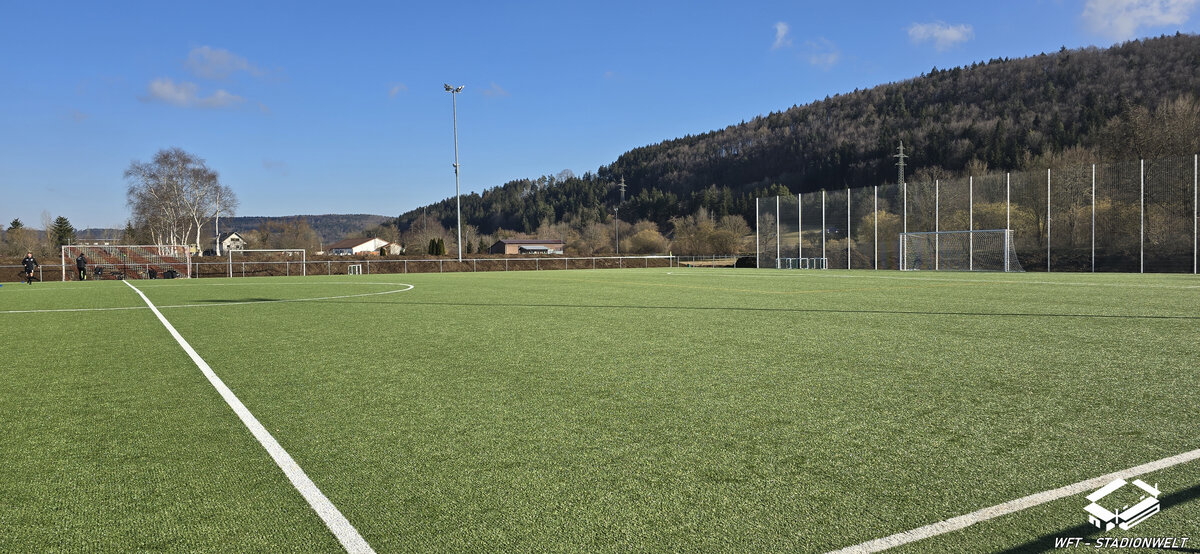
{"type": "Point", "coordinates": [231, 241]}
{"type": "Point", "coordinates": [353, 246]}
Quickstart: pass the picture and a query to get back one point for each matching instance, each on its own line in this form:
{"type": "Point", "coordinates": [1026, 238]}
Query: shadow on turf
{"type": "Point", "coordinates": [238, 300]}
{"type": "Point", "coordinates": [1045, 543]}
{"type": "Point", "coordinates": [793, 310]}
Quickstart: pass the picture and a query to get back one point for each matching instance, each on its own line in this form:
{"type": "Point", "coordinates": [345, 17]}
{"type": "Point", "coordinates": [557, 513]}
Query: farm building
{"type": "Point", "coordinates": [527, 246]}
{"type": "Point", "coordinates": [349, 247]}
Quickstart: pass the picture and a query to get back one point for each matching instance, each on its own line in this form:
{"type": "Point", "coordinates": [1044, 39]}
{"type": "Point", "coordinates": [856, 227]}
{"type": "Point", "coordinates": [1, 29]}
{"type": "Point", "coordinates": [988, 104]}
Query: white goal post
{"type": "Point", "coordinates": [127, 261]}
{"type": "Point", "coordinates": [983, 250]}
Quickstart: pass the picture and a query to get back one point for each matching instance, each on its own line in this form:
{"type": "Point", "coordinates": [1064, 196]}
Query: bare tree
{"type": "Point", "coordinates": [175, 196]}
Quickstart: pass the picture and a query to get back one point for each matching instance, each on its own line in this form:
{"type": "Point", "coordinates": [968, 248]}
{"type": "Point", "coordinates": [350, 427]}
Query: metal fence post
{"type": "Point", "coordinates": [1047, 220]}
{"type": "Point", "coordinates": [1195, 211]}
{"type": "Point", "coordinates": [1142, 220]}
{"type": "Point", "coordinates": [778, 239]}
{"type": "Point", "coordinates": [875, 242]}
{"type": "Point", "coordinates": [1093, 218]}
{"type": "Point", "coordinates": [847, 227]}
{"type": "Point", "coordinates": [971, 223]}
{"type": "Point", "coordinates": [823, 224]}
{"type": "Point", "coordinates": [756, 238]}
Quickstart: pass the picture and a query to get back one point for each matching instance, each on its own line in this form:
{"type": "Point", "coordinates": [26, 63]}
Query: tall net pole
{"type": "Point", "coordinates": [903, 184]}
{"type": "Point", "coordinates": [876, 218]}
{"type": "Point", "coordinates": [757, 240]}
{"type": "Point", "coordinates": [1142, 220]}
{"type": "Point", "coordinates": [1008, 200]}
{"type": "Point", "coordinates": [1195, 210]}
{"type": "Point", "coordinates": [847, 227]}
{"type": "Point", "coordinates": [971, 220]}
{"type": "Point", "coordinates": [799, 225]}
{"type": "Point", "coordinates": [1093, 218]}
{"type": "Point", "coordinates": [778, 242]}
{"type": "Point", "coordinates": [1047, 220]}
{"type": "Point", "coordinates": [937, 222]}
{"type": "Point", "coordinates": [823, 223]}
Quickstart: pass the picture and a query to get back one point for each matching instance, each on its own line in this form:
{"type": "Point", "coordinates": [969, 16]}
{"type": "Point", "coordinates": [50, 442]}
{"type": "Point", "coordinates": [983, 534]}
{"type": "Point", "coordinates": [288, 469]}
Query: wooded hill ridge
{"type": "Point", "coordinates": [329, 227]}
{"type": "Point", "coordinates": [1002, 114]}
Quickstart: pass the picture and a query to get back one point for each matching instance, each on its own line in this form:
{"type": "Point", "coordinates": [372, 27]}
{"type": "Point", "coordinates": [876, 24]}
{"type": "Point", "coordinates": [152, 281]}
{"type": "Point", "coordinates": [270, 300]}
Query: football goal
{"type": "Point", "coordinates": [124, 261]}
{"type": "Point", "coordinates": [987, 250]}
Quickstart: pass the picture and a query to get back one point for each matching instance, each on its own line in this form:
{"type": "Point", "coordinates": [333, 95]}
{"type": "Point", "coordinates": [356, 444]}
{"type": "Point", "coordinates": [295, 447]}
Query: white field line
{"type": "Point", "coordinates": [346, 534]}
{"type": "Point", "coordinates": [704, 272]}
{"type": "Point", "coordinates": [211, 305]}
{"type": "Point", "coordinates": [967, 520]}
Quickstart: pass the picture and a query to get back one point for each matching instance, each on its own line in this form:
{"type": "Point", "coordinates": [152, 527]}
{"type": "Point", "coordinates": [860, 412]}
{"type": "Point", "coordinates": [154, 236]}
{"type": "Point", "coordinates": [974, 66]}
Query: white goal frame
{"type": "Point", "coordinates": [144, 256]}
{"type": "Point", "coordinates": [303, 256]}
{"type": "Point", "coordinates": [802, 263]}
{"type": "Point", "coordinates": [913, 245]}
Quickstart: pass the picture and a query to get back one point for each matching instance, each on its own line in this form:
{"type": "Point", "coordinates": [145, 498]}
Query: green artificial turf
{"type": "Point", "coordinates": [611, 410]}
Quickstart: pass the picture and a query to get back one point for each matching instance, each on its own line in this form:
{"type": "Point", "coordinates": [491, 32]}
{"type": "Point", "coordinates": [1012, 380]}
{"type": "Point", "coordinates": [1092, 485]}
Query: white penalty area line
{"type": "Point", "coordinates": [346, 534]}
{"type": "Point", "coordinates": [967, 520]}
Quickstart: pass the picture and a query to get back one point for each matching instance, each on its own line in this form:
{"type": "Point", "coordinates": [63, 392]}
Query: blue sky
{"type": "Point", "coordinates": [307, 107]}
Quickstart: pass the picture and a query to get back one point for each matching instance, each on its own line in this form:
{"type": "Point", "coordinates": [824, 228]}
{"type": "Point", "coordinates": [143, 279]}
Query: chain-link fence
{"type": "Point", "coordinates": [1137, 216]}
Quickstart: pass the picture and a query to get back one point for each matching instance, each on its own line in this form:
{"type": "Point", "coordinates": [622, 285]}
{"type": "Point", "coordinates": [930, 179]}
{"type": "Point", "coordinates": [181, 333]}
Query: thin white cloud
{"type": "Point", "coordinates": [396, 88]}
{"type": "Point", "coordinates": [943, 35]}
{"type": "Point", "coordinates": [187, 95]}
{"type": "Point", "coordinates": [782, 39]}
{"type": "Point", "coordinates": [1123, 19]}
{"type": "Point", "coordinates": [495, 90]}
{"type": "Point", "coordinates": [276, 166]}
{"type": "Point", "coordinates": [218, 63]}
{"type": "Point", "coordinates": [823, 53]}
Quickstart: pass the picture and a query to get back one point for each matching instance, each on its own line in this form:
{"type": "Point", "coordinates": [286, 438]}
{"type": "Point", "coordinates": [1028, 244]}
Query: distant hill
{"type": "Point", "coordinates": [1002, 113]}
{"type": "Point", "coordinates": [330, 227]}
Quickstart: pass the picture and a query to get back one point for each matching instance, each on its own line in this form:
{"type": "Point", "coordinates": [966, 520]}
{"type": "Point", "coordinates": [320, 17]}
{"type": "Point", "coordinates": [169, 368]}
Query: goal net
{"type": "Point", "coordinates": [124, 261]}
{"type": "Point", "coordinates": [988, 250]}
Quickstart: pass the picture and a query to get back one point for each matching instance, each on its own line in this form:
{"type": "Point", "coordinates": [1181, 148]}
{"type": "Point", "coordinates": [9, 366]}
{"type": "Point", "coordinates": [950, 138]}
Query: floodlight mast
{"type": "Point", "coordinates": [457, 194]}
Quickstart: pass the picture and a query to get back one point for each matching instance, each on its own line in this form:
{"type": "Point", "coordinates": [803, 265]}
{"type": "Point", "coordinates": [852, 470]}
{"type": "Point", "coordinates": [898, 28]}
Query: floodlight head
{"type": "Point", "coordinates": [448, 87]}
{"type": "Point", "coordinates": [459, 89]}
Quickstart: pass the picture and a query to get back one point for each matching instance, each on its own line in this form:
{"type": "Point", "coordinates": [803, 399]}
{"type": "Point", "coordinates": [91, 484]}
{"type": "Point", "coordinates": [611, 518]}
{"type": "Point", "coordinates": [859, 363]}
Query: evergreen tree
{"type": "Point", "coordinates": [62, 232]}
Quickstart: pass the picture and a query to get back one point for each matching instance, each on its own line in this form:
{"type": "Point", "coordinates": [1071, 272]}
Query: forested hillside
{"type": "Point", "coordinates": [1002, 114]}
{"type": "Point", "coordinates": [329, 227]}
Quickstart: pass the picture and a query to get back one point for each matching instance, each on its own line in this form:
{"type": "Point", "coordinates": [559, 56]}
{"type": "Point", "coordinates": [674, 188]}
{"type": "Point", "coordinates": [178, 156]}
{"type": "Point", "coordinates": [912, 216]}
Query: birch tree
{"type": "Point", "coordinates": [175, 195]}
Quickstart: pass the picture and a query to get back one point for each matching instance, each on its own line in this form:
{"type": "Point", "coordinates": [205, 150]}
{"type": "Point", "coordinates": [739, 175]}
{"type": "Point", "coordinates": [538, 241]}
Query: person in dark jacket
{"type": "Point", "coordinates": [81, 265]}
{"type": "Point", "coordinates": [30, 264]}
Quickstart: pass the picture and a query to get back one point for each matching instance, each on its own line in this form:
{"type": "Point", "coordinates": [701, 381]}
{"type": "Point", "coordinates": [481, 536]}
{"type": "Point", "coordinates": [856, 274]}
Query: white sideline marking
{"type": "Point", "coordinates": [334, 520]}
{"type": "Point", "coordinates": [967, 520]}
